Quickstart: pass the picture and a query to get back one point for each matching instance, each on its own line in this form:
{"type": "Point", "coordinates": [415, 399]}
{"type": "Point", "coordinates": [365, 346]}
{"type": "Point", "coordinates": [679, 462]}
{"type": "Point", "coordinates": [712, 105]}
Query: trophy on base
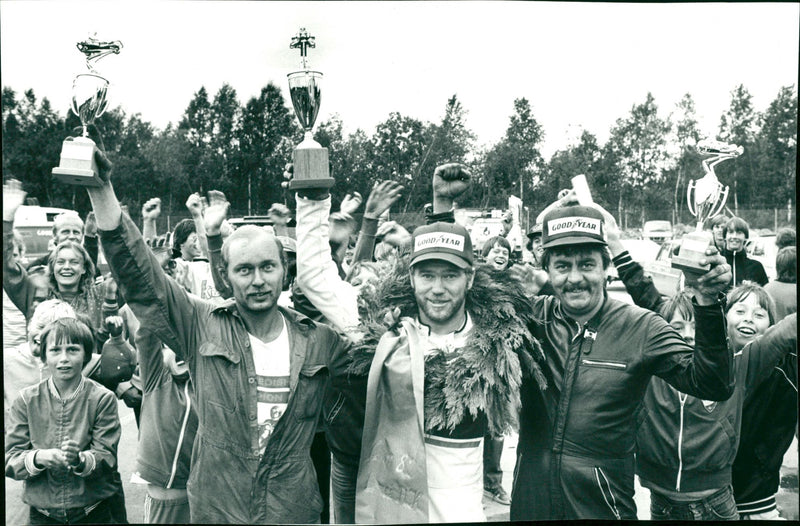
{"type": "Point", "coordinates": [706, 197]}
{"type": "Point", "coordinates": [89, 101]}
{"type": "Point", "coordinates": [311, 169]}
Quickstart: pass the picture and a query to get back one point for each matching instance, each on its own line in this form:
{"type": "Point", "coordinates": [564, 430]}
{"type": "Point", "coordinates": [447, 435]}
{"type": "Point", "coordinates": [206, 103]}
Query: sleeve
{"type": "Point", "coordinates": [760, 276]}
{"type": "Point", "coordinates": [218, 266]}
{"type": "Point", "coordinates": [639, 286]}
{"type": "Point", "coordinates": [765, 353]}
{"type": "Point", "coordinates": [317, 274]}
{"type": "Point", "coordinates": [158, 302]}
{"type": "Point", "coordinates": [445, 217]}
{"type": "Point", "coordinates": [151, 363]}
{"type": "Point", "coordinates": [365, 246]}
{"type": "Point", "coordinates": [92, 247]}
{"type": "Point", "coordinates": [101, 456]}
{"type": "Point", "coordinates": [704, 372]}
{"type": "Point", "coordinates": [19, 450]}
{"type": "Point", "coordinates": [16, 282]}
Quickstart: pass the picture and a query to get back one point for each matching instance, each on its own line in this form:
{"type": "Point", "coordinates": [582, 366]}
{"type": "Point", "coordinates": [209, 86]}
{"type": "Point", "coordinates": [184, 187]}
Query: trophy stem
{"type": "Point", "coordinates": [85, 130]}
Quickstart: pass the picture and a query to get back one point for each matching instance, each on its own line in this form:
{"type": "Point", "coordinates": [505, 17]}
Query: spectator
{"type": "Point", "coordinates": [784, 289]}
{"type": "Point", "coordinates": [167, 431]}
{"type": "Point", "coordinates": [686, 446]}
{"type": "Point", "coordinates": [64, 435]}
{"type": "Point", "coordinates": [247, 355]}
{"type": "Point", "coordinates": [22, 365]}
{"type": "Point", "coordinates": [576, 442]}
{"type": "Point", "coordinates": [68, 226]}
{"type": "Point", "coordinates": [14, 323]}
{"type": "Point", "coordinates": [737, 232]}
{"type": "Point", "coordinates": [717, 226]}
{"type": "Point", "coordinates": [787, 237]}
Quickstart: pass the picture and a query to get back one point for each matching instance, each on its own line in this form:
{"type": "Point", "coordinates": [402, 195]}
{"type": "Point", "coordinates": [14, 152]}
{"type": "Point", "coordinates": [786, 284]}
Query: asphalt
{"type": "Point", "coordinates": [17, 512]}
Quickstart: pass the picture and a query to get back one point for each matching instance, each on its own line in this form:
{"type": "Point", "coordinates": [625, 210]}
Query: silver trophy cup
{"type": "Point", "coordinates": [706, 198]}
{"type": "Point", "coordinates": [89, 100]}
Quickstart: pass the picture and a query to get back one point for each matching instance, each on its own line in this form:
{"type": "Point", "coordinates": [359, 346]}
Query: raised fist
{"type": "Point", "coordinates": [151, 208]}
{"type": "Point", "coordinates": [450, 180]}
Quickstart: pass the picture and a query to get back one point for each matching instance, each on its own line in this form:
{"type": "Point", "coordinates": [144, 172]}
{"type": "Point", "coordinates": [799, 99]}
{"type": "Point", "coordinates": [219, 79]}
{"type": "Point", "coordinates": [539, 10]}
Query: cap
{"type": "Point", "coordinates": [572, 225]}
{"type": "Point", "coordinates": [444, 241]}
{"type": "Point", "coordinates": [536, 230]}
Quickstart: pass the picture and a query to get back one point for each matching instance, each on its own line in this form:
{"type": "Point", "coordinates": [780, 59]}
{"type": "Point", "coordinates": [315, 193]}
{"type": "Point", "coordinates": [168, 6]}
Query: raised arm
{"type": "Point", "coordinates": [151, 211]}
{"type": "Point", "coordinates": [215, 215]}
{"type": "Point", "coordinates": [159, 303]}
{"type": "Point", "coordinates": [196, 206]}
{"type": "Point", "coordinates": [384, 194]}
{"type": "Point", "coordinates": [19, 287]}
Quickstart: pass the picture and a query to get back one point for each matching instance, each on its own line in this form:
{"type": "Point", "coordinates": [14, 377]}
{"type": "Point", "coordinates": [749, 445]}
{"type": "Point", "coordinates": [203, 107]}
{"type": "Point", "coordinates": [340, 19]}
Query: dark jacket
{"type": "Point", "coordinates": [576, 441]}
{"type": "Point", "coordinates": [769, 422]}
{"type": "Point", "coordinates": [686, 444]}
{"type": "Point", "coordinates": [745, 269]}
{"type": "Point", "coordinates": [231, 480]}
{"type": "Point", "coordinates": [169, 419]}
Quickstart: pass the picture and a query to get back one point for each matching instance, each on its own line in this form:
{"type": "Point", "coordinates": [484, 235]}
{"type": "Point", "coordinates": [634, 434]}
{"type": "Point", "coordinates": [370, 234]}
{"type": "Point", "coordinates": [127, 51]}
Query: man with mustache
{"type": "Point", "coordinates": [576, 441]}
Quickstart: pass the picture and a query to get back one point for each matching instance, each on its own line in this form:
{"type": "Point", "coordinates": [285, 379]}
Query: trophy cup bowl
{"type": "Point", "coordinates": [304, 89]}
{"type": "Point", "coordinates": [89, 98]}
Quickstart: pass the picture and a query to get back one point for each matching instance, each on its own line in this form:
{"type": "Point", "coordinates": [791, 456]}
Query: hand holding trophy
{"type": "Point", "coordinates": [706, 197]}
{"type": "Point", "coordinates": [311, 169]}
{"type": "Point", "coordinates": [89, 101]}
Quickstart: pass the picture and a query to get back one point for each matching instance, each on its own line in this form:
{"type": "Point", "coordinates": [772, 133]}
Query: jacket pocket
{"type": "Point", "coordinates": [605, 490]}
{"type": "Point", "coordinates": [218, 380]}
{"type": "Point", "coordinates": [310, 391]}
{"type": "Point", "coordinates": [605, 364]}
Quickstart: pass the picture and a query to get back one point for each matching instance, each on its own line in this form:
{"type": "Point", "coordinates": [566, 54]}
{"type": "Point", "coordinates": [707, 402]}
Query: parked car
{"type": "Point", "coordinates": [657, 231]}
{"type": "Point", "coordinates": [35, 224]}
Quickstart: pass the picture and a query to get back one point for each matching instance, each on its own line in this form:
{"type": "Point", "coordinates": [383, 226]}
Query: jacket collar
{"type": "Point", "coordinates": [291, 316]}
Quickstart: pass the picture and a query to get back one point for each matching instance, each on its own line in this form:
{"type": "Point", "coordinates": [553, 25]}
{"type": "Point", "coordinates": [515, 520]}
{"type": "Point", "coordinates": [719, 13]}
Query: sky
{"type": "Point", "coordinates": [580, 65]}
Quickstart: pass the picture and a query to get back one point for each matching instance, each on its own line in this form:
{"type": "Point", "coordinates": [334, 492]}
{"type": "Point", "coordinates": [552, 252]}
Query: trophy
{"type": "Point", "coordinates": [89, 101]}
{"type": "Point", "coordinates": [310, 158]}
{"type": "Point", "coordinates": [706, 197]}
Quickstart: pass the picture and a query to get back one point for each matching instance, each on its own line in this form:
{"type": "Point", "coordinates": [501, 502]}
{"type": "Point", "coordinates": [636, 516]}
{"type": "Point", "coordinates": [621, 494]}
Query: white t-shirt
{"type": "Point", "coordinates": [272, 373]}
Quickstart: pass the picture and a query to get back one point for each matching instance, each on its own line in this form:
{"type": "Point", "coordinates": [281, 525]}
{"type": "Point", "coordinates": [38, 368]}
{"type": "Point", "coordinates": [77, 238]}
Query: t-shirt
{"type": "Point", "coordinates": [202, 282]}
{"type": "Point", "coordinates": [272, 373]}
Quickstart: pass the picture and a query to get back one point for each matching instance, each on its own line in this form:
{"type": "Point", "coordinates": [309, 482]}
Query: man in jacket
{"type": "Point", "coordinates": [737, 232]}
{"type": "Point", "coordinates": [576, 442]}
{"type": "Point", "coordinates": [246, 356]}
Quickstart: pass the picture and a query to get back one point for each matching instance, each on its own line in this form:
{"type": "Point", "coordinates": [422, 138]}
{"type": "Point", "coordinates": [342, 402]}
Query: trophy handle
{"type": "Point", "coordinates": [689, 200]}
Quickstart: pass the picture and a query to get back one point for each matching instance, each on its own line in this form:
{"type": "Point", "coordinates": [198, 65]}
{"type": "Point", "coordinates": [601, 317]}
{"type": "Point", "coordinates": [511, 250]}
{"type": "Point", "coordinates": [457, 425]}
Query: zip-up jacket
{"type": "Point", "coordinates": [769, 422]}
{"type": "Point", "coordinates": [169, 420]}
{"type": "Point", "coordinates": [576, 441]}
{"type": "Point", "coordinates": [232, 479]}
{"type": "Point", "coordinates": [745, 269]}
{"type": "Point", "coordinates": [686, 444]}
{"type": "Point", "coordinates": [41, 419]}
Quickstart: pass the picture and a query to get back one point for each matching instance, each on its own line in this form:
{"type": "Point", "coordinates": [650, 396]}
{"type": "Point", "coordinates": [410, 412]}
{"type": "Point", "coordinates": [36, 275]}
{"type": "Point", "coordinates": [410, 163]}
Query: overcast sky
{"type": "Point", "coordinates": [579, 64]}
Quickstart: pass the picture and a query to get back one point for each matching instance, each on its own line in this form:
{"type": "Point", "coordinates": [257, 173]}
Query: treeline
{"type": "Point", "coordinates": [640, 172]}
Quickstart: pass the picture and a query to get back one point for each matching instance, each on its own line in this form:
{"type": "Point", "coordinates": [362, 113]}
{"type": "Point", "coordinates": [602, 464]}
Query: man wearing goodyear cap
{"type": "Point", "coordinates": [446, 374]}
{"type": "Point", "coordinates": [575, 451]}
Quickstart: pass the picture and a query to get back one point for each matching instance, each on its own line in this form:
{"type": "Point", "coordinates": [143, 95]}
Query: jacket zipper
{"type": "Point", "coordinates": [615, 365]}
{"type": "Point", "coordinates": [682, 397]}
{"type": "Point", "coordinates": [180, 436]}
{"type": "Point", "coordinates": [612, 505]}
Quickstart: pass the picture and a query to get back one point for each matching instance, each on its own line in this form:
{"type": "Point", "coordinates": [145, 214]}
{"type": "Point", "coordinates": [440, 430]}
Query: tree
{"type": "Point", "coordinates": [581, 158]}
{"type": "Point", "coordinates": [198, 126]}
{"type": "Point", "coordinates": [685, 135]}
{"type": "Point", "coordinates": [639, 142]}
{"type": "Point", "coordinates": [739, 125]}
{"type": "Point", "coordinates": [516, 158]}
{"type": "Point", "coordinates": [776, 157]}
{"type": "Point", "coordinates": [266, 136]}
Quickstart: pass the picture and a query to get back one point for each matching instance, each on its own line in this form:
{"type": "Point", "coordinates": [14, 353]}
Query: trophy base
{"type": "Point", "coordinates": [77, 166]}
{"type": "Point", "coordinates": [311, 169]}
{"type": "Point", "coordinates": [692, 250]}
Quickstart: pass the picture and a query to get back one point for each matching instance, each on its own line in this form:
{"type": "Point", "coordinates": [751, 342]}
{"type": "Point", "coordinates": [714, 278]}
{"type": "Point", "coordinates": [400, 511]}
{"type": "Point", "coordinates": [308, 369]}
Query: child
{"type": "Point", "coordinates": [63, 434]}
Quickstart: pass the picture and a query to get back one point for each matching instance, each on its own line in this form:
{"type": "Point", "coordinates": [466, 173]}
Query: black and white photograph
{"type": "Point", "coordinates": [362, 262]}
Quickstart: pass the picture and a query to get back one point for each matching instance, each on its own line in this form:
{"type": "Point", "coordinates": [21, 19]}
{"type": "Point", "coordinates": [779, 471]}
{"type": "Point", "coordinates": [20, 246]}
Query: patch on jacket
{"type": "Point", "coordinates": [709, 405]}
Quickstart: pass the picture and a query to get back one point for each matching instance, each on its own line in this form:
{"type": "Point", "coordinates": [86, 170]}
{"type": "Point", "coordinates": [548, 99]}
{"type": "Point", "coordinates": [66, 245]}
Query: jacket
{"type": "Point", "coordinates": [745, 269]}
{"type": "Point", "coordinates": [168, 419]}
{"type": "Point", "coordinates": [40, 419]}
{"type": "Point", "coordinates": [576, 441]}
{"type": "Point", "coordinates": [769, 422]}
{"type": "Point", "coordinates": [231, 480]}
{"type": "Point", "coordinates": [685, 444]}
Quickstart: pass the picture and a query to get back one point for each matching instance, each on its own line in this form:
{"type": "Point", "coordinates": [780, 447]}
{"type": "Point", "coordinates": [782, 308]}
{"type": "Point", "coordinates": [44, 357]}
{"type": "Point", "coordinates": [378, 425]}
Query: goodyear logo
{"type": "Point", "coordinates": [572, 225]}
{"type": "Point", "coordinates": [439, 240]}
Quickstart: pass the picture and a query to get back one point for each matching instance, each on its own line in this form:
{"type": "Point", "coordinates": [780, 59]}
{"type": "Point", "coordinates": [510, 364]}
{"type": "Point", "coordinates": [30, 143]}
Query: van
{"type": "Point", "coordinates": [35, 224]}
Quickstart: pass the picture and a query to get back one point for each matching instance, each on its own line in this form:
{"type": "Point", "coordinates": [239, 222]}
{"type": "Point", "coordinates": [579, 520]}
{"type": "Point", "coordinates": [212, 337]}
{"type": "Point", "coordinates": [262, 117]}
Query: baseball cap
{"type": "Point", "coordinates": [536, 230]}
{"type": "Point", "coordinates": [444, 241]}
{"type": "Point", "coordinates": [572, 225]}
